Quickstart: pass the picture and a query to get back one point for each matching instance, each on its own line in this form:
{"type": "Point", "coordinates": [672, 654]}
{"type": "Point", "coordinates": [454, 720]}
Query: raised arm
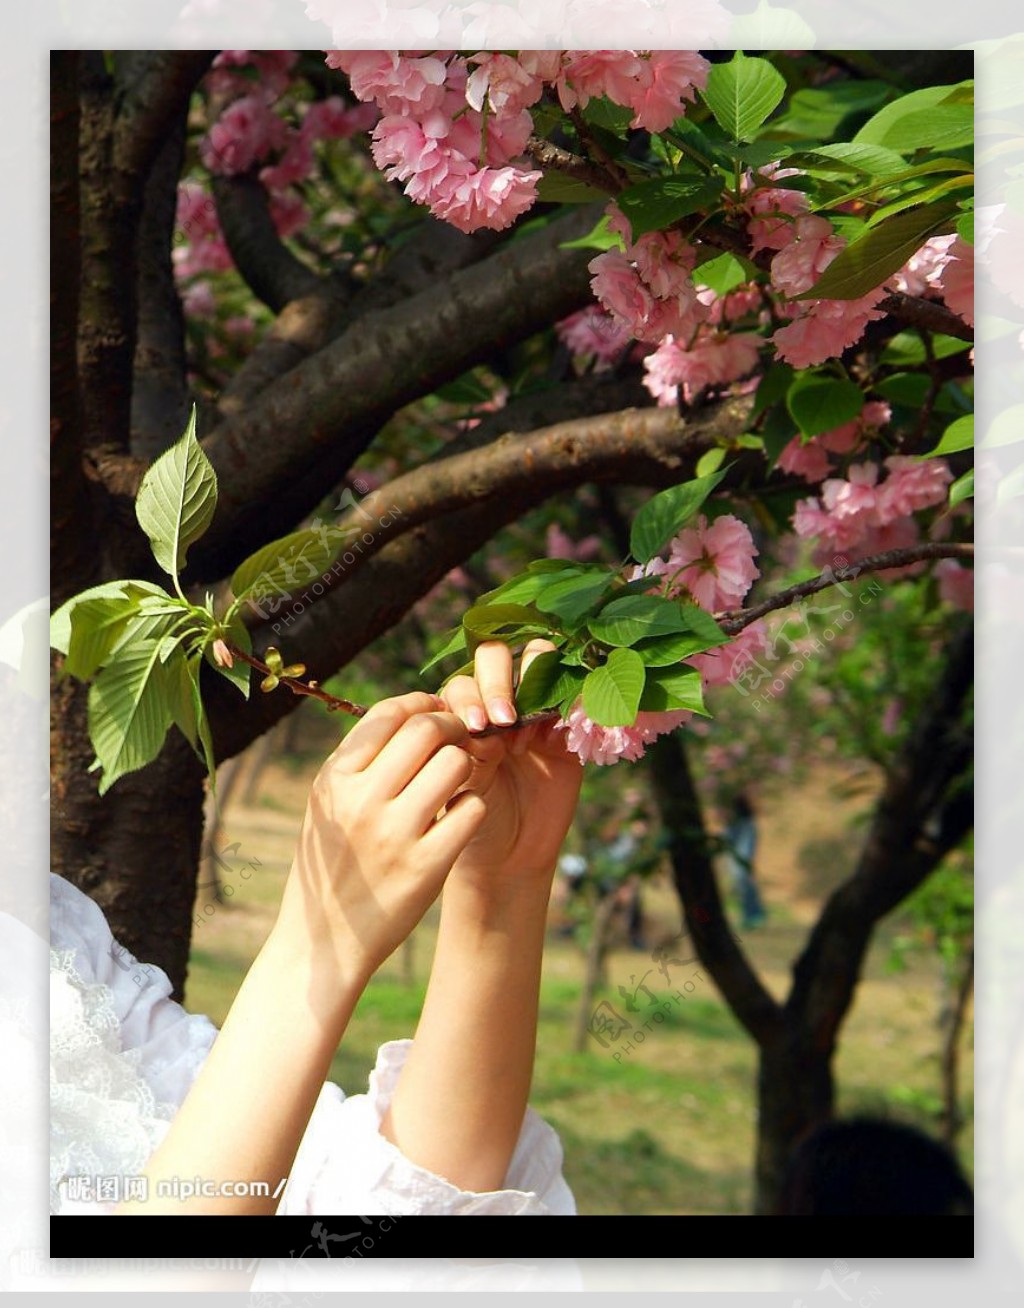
{"type": "Point", "coordinates": [372, 856]}
{"type": "Point", "coordinates": [459, 1104]}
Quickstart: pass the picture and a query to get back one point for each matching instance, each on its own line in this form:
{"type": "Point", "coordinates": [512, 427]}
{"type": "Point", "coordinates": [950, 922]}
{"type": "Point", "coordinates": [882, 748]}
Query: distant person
{"type": "Point", "coordinates": [740, 838]}
{"type": "Point", "coordinates": [873, 1167]}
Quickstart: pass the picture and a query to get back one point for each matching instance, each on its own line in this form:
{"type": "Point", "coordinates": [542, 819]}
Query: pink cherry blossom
{"type": "Point", "coordinates": [606, 745]}
{"type": "Point", "coordinates": [804, 459]}
{"type": "Point", "coordinates": [956, 584]}
{"type": "Point", "coordinates": [333, 120]}
{"type": "Point", "coordinates": [801, 262]}
{"type": "Point", "coordinates": [718, 667]}
{"type": "Point", "coordinates": [890, 719]}
{"type": "Point", "coordinates": [245, 132]}
{"type": "Point", "coordinates": [666, 79]}
{"type": "Point", "coordinates": [288, 212]}
{"type": "Point", "coordinates": [914, 278]}
{"type": "Point", "coordinates": [295, 165]}
{"type": "Point", "coordinates": [487, 197]}
{"type": "Point", "coordinates": [559, 545]}
{"type": "Point", "coordinates": [823, 329]}
{"type": "Point", "coordinates": [504, 82]}
{"type": "Point", "coordinates": [588, 74]}
{"type": "Point", "coordinates": [398, 84]}
{"type": "Point", "coordinates": [955, 280]}
{"type": "Point", "coordinates": [665, 261]}
{"type": "Point", "coordinates": [592, 331]}
{"type": "Point", "coordinates": [714, 563]}
{"type": "Point", "coordinates": [713, 359]}
{"type": "Point", "coordinates": [771, 209]}
{"type": "Point", "coordinates": [912, 484]}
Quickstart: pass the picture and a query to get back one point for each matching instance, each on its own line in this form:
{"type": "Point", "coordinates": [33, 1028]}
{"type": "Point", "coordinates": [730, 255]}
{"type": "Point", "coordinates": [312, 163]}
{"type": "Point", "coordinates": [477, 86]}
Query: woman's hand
{"type": "Point", "coordinates": [528, 779]}
{"type": "Point", "coordinates": [375, 846]}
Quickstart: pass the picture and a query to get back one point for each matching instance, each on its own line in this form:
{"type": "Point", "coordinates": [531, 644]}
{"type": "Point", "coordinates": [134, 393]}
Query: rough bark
{"type": "Point", "coordinates": [273, 273]}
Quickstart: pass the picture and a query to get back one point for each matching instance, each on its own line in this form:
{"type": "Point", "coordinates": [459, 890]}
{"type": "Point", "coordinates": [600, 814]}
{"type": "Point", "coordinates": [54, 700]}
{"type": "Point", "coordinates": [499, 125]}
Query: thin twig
{"type": "Point", "coordinates": [734, 620]}
{"type": "Point", "coordinates": [731, 622]}
{"type": "Point", "coordinates": [548, 155]}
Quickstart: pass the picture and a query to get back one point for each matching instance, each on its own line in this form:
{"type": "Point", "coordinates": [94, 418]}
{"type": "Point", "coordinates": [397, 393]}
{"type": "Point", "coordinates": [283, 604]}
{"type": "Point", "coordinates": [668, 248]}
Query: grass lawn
{"type": "Point", "coordinates": [670, 1127]}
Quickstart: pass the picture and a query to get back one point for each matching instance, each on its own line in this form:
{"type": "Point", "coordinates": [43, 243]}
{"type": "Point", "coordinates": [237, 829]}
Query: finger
{"type": "Point", "coordinates": [433, 786]}
{"type": "Point", "coordinates": [533, 650]}
{"type": "Point", "coordinates": [455, 828]}
{"type": "Point", "coordinates": [493, 668]}
{"type": "Point", "coordinates": [417, 740]}
{"type": "Point", "coordinates": [462, 696]}
{"type": "Point", "coordinates": [373, 731]}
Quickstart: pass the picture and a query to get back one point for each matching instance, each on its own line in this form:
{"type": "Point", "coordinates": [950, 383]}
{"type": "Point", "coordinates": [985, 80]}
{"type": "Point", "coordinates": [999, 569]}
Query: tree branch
{"type": "Point", "coordinates": [267, 266]}
{"type": "Point", "coordinates": [274, 465]}
{"type": "Point", "coordinates": [155, 99]}
{"type": "Point", "coordinates": [71, 516]}
{"type": "Point", "coordinates": [694, 876]}
{"type": "Point", "coordinates": [929, 315]}
{"type": "Point", "coordinates": [925, 810]}
{"type": "Point", "coordinates": [434, 251]}
{"type": "Point", "coordinates": [549, 155]}
{"type": "Point", "coordinates": [159, 402]}
{"type": "Point", "coordinates": [734, 620]}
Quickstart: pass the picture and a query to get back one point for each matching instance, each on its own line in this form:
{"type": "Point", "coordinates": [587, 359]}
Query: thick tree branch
{"type": "Point", "coordinates": [547, 155]}
{"type": "Point", "coordinates": [70, 501]}
{"type": "Point", "coordinates": [159, 391]}
{"type": "Point", "coordinates": [434, 251]}
{"type": "Point", "coordinates": [312, 424]}
{"type": "Point", "coordinates": [734, 620]}
{"type": "Point", "coordinates": [271, 271]}
{"type": "Point", "coordinates": [929, 315]}
{"type": "Point", "coordinates": [156, 97]}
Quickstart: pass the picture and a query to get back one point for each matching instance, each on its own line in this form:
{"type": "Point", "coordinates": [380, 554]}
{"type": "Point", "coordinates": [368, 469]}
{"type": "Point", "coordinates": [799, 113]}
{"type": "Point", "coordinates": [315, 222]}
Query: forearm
{"type": "Point", "coordinates": [248, 1108]}
{"type": "Point", "coordinates": [459, 1104]}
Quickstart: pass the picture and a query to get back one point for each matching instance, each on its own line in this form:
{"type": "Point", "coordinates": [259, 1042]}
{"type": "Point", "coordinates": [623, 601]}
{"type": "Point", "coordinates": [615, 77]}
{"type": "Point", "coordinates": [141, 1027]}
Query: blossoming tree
{"type": "Point", "coordinates": [458, 285]}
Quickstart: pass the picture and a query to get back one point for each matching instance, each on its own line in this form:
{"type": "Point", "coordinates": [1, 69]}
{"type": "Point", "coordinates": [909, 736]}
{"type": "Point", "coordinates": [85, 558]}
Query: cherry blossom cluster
{"type": "Point", "coordinates": [859, 515]}
{"type": "Point", "coordinates": [810, 458]}
{"type": "Point", "coordinates": [712, 565]}
{"type": "Point", "coordinates": [454, 128]}
{"type": "Point", "coordinates": [250, 134]}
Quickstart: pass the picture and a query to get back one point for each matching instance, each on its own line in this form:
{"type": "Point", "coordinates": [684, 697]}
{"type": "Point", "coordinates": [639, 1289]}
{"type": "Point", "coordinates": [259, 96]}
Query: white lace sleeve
{"type": "Point", "coordinates": [123, 1056]}
{"type": "Point", "coordinates": [345, 1165]}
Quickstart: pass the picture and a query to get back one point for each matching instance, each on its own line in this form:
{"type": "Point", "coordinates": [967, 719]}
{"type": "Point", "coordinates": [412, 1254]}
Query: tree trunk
{"type": "Point", "coordinates": [952, 1119]}
{"type": "Point", "coordinates": [136, 850]}
{"type": "Point", "coordinates": [594, 969]}
{"type": "Point", "coordinates": [794, 1094]}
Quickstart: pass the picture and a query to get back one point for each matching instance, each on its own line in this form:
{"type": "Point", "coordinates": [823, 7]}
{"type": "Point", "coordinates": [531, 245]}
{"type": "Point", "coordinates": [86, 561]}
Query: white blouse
{"type": "Point", "coordinates": [123, 1055]}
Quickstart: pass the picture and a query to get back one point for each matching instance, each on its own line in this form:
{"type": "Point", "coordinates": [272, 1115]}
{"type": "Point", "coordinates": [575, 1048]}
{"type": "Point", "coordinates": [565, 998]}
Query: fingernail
{"type": "Point", "coordinates": [502, 711]}
{"type": "Point", "coordinates": [476, 719]}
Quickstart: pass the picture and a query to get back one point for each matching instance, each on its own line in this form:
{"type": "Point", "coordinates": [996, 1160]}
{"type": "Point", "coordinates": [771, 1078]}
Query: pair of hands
{"type": "Point", "coordinates": [412, 797]}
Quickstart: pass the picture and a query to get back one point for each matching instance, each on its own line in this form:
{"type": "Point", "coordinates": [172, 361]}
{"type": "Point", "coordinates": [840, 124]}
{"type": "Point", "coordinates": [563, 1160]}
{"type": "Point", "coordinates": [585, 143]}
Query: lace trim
{"type": "Point", "coordinates": [104, 1117]}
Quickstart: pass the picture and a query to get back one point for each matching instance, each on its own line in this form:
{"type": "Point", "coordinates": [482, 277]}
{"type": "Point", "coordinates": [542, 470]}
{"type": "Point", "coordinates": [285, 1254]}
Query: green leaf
{"type": "Point", "coordinates": [668, 512]}
{"type": "Point", "coordinates": [1006, 428]}
{"type": "Point", "coordinates": [671, 689]}
{"type": "Point", "coordinates": [572, 598]}
{"type": "Point", "coordinates": [940, 127]}
{"type": "Point", "coordinates": [817, 404]}
{"type": "Point", "coordinates": [189, 713]}
{"type": "Point", "coordinates": [634, 617]}
{"type": "Point", "coordinates": [557, 188]}
{"type": "Point", "coordinates": [742, 93]}
{"type": "Point", "coordinates": [662, 651]}
{"type": "Point", "coordinates": [129, 711]}
{"type": "Point", "coordinates": [547, 682]}
{"type": "Point", "coordinates": [286, 565]}
{"type": "Point", "coordinates": [818, 113]}
{"type": "Point", "coordinates": [455, 644]}
{"type": "Point", "coordinates": [772, 387]}
{"type": "Point", "coordinates": [907, 348]}
{"type": "Point", "coordinates": [524, 587]}
{"type": "Point", "coordinates": [710, 461]}
{"type": "Point", "coordinates": [876, 130]}
{"type": "Point", "coordinates": [510, 623]}
{"type": "Point", "coordinates": [600, 237]}
{"type": "Point", "coordinates": [959, 435]}
{"type": "Point", "coordinates": [702, 624]}
{"type": "Point", "coordinates": [962, 488]}
{"type": "Point", "coordinates": [869, 261]}
{"type": "Point", "coordinates": [656, 204]}
{"type": "Point", "coordinates": [965, 229]}
{"type": "Point", "coordinates": [849, 156]}
{"type": "Point", "coordinates": [177, 499]}
{"type": "Point", "coordinates": [611, 693]}
{"type": "Point", "coordinates": [724, 273]}
{"type": "Point", "coordinates": [88, 626]}
{"type": "Point", "coordinates": [240, 674]}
